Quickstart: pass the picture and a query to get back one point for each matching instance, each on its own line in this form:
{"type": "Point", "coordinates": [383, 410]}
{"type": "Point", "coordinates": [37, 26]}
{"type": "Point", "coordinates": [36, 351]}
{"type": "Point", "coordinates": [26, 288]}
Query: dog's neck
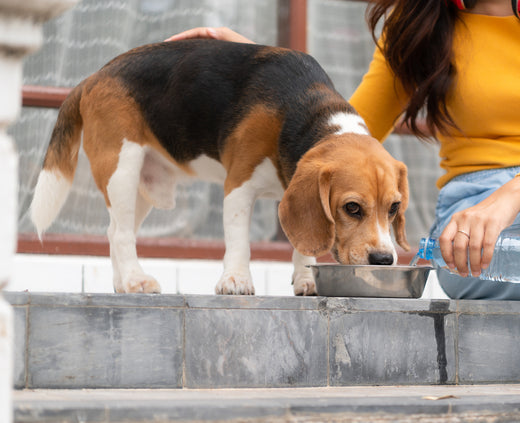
{"type": "Point", "coordinates": [309, 124]}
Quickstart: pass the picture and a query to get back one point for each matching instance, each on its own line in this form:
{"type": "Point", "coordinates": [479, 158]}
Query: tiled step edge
{"type": "Point", "coordinates": [381, 404]}
{"type": "Point", "coordinates": [174, 341]}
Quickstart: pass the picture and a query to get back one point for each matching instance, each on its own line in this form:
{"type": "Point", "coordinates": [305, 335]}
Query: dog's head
{"type": "Point", "coordinates": [345, 195]}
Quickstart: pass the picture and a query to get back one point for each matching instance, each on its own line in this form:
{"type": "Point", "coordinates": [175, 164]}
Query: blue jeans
{"type": "Point", "coordinates": [458, 194]}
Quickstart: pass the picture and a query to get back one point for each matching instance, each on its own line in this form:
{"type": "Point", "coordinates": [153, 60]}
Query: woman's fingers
{"type": "Point", "coordinates": [475, 249]}
{"type": "Point", "coordinates": [201, 32]}
{"type": "Point", "coordinates": [446, 244]}
{"type": "Point", "coordinates": [488, 245]}
{"type": "Point", "coordinates": [473, 232]}
{"type": "Point", "coordinates": [460, 251]}
{"type": "Point", "coordinates": [222, 33]}
{"type": "Point", "coordinates": [469, 240]}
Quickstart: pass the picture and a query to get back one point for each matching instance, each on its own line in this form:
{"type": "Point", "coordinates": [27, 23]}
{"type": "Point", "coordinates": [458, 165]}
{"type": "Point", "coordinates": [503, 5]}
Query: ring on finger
{"type": "Point", "coordinates": [463, 232]}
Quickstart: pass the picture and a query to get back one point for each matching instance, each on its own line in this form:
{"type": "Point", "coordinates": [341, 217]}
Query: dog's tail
{"type": "Point", "coordinates": [60, 163]}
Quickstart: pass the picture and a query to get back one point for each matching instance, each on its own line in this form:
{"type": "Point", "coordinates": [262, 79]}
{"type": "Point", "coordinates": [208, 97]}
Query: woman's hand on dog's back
{"type": "Point", "coordinates": [221, 33]}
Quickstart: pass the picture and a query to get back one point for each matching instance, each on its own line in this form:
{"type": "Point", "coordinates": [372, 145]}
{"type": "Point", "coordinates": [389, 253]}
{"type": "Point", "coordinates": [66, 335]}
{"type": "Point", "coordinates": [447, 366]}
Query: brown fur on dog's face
{"type": "Point", "coordinates": [344, 196]}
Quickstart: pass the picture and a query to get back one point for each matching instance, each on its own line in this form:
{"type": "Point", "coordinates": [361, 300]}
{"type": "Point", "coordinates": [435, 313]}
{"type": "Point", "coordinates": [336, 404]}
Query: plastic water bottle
{"type": "Point", "coordinates": [504, 266]}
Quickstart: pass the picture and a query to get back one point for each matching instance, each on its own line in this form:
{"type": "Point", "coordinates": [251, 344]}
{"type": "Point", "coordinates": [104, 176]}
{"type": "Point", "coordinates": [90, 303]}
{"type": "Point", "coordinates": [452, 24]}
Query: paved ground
{"type": "Point", "coordinates": [431, 404]}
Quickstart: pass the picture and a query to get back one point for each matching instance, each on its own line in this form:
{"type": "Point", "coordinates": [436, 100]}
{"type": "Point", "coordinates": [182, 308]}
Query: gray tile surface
{"type": "Point", "coordinates": [16, 298]}
{"type": "Point", "coordinates": [20, 345]}
{"type": "Point", "coordinates": [497, 403]}
{"type": "Point", "coordinates": [255, 348]}
{"type": "Point", "coordinates": [489, 348]}
{"type": "Point", "coordinates": [487, 307]}
{"type": "Point", "coordinates": [391, 348]}
{"type": "Point", "coordinates": [107, 300]}
{"type": "Point", "coordinates": [390, 304]}
{"type": "Point", "coordinates": [105, 347]}
{"type": "Point", "coordinates": [67, 412]}
{"type": "Point", "coordinates": [254, 302]}
{"type": "Point", "coordinates": [195, 341]}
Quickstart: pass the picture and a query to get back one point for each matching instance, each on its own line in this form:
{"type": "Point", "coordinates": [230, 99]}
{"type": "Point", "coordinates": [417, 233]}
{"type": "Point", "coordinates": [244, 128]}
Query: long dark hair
{"type": "Point", "coordinates": [417, 44]}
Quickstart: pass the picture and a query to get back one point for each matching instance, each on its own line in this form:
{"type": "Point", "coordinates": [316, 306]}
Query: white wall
{"type": "Point", "coordinates": [53, 273]}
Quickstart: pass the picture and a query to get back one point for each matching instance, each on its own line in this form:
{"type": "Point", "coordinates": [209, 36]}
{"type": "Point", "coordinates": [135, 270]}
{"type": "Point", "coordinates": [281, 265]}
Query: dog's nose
{"type": "Point", "coordinates": [381, 258]}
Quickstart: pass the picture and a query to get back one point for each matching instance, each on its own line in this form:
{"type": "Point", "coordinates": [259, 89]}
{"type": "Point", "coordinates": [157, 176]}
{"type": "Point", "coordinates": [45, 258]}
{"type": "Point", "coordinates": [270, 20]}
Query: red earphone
{"type": "Point", "coordinates": [468, 4]}
{"type": "Point", "coordinates": [516, 5]}
{"type": "Point", "coordinates": [460, 4]}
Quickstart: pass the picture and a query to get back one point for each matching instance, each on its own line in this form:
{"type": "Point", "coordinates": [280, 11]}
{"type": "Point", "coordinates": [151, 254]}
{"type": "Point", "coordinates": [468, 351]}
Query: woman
{"type": "Point", "coordinates": [460, 65]}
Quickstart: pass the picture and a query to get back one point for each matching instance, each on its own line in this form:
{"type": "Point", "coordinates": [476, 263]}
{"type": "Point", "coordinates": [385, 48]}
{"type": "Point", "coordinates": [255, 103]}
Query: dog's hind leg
{"type": "Point", "coordinates": [127, 210]}
{"type": "Point", "coordinates": [116, 275]}
{"type": "Point", "coordinates": [142, 208]}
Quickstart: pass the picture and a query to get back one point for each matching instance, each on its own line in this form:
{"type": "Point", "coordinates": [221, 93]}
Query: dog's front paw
{"type": "Point", "coordinates": [304, 285]}
{"type": "Point", "coordinates": [235, 283]}
{"type": "Point", "coordinates": [141, 283]}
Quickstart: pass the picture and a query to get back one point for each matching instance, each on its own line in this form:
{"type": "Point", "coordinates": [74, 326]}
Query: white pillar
{"type": "Point", "coordinates": [20, 34]}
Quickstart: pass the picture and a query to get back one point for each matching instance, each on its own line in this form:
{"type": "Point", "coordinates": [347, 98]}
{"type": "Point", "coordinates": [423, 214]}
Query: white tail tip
{"type": "Point", "coordinates": [50, 194]}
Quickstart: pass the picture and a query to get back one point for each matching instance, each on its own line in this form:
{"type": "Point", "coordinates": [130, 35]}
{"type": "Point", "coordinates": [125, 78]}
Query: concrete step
{"type": "Point", "coordinates": [406, 404]}
{"type": "Point", "coordinates": [119, 341]}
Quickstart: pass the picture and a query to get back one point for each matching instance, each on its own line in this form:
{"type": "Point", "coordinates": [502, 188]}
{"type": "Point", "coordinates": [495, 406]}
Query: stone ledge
{"type": "Point", "coordinates": [187, 341]}
{"type": "Point", "coordinates": [345, 404]}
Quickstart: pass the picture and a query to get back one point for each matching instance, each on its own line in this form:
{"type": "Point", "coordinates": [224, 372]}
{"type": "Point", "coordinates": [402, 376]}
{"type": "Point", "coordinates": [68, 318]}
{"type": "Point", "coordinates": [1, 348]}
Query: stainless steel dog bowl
{"type": "Point", "coordinates": [336, 280]}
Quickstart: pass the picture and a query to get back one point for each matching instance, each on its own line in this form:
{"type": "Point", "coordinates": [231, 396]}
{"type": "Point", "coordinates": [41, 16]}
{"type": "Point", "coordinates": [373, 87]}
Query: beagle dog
{"type": "Point", "coordinates": [264, 121]}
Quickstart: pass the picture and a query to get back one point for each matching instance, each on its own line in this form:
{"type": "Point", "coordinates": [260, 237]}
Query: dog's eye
{"type": "Point", "coordinates": [394, 209]}
{"type": "Point", "coordinates": [353, 209]}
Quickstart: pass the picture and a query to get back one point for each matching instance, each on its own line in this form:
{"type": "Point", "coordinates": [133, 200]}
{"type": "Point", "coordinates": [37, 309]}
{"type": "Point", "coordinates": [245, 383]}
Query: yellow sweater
{"type": "Point", "coordinates": [485, 102]}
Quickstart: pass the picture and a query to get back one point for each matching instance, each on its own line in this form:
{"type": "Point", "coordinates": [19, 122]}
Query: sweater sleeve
{"type": "Point", "coordinates": [379, 99]}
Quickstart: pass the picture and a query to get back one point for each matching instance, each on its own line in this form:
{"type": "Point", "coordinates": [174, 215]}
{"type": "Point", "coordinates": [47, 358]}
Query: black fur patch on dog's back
{"type": "Point", "coordinates": [193, 93]}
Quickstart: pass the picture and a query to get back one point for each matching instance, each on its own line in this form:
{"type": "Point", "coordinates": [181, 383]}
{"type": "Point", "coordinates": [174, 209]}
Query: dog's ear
{"type": "Point", "coordinates": [304, 211]}
{"type": "Point", "coordinates": [399, 221]}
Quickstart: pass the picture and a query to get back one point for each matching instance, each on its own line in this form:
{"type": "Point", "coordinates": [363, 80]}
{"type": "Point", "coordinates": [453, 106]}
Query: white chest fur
{"type": "Point", "coordinates": [348, 123]}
